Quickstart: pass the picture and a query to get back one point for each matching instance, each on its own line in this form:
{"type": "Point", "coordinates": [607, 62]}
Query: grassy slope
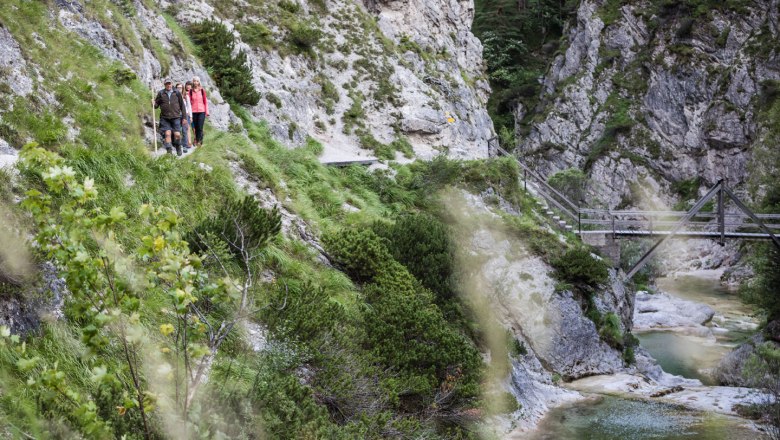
{"type": "Point", "coordinates": [110, 149]}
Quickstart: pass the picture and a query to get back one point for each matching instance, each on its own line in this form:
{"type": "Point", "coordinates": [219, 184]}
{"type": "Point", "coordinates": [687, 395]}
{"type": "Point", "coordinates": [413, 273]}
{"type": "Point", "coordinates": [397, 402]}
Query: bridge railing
{"type": "Point", "coordinates": [625, 222]}
{"type": "Point", "coordinates": [619, 222]}
{"type": "Point", "coordinates": [538, 185]}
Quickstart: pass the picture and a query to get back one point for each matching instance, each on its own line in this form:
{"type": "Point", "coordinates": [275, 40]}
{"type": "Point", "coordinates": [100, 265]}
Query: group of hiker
{"type": "Point", "coordinates": [183, 109]}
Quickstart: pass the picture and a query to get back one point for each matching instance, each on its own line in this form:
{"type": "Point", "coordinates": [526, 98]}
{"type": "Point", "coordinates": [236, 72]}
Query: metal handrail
{"type": "Point", "coordinates": [651, 220]}
{"type": "Point", "coordinates": [540, 180]}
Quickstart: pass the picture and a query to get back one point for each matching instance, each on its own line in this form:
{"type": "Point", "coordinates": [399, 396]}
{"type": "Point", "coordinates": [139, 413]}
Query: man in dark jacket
{"type": "Point", "coordinates": [171, 106]}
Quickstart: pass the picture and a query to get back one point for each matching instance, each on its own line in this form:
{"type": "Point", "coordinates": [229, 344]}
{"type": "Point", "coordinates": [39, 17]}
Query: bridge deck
{"type": "Point", "coordinates": [681, 234]}
{"type": "Point", "coordinates": [346, 163]}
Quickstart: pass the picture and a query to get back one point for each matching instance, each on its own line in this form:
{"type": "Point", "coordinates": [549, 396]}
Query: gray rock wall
{"type": "Point", "coordinates": [415, 63]}
{"type": "Point", "coordinates": [687, 84]}
{"type": "Point", "coordinates": [510, 287]}
{"type": "Point", "coordinates": [424, 49]}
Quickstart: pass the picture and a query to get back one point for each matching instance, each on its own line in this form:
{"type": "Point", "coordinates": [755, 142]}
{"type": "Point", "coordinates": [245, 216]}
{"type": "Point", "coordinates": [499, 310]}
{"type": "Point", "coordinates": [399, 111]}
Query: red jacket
{"type": "Point", "coordinates": [199, 103]}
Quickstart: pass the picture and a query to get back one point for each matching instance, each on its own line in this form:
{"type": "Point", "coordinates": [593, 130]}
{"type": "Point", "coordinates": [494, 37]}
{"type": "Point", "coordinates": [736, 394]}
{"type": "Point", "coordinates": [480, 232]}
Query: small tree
{"type": "Point", "coordinates": [108, 286]}
{"type": "Point", "coordinates": [570, 182]}
{"type": "Point", "coordinates": [232, 74]}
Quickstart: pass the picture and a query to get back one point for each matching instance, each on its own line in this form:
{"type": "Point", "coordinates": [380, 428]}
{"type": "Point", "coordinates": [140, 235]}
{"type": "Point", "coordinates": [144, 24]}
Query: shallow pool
{"type": "Point", "coordinates": [694, 356]}
{"type": "Point", "coordinates": [624, 419]}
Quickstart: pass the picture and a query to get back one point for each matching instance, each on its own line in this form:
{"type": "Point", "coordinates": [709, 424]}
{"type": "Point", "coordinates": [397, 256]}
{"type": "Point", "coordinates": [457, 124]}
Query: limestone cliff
{"type": "Point", "coordinates": [407, 71]}
{"type": "Point", "coordinates": [653, 97]}
{"type": "Point", "coordinates": [515, 290]}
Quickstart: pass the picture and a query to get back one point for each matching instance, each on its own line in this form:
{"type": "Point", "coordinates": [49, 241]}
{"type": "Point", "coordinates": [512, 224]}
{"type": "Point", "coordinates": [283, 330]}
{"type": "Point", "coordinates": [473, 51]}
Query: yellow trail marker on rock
{"type": "Point", "coordinates": [450, 118]}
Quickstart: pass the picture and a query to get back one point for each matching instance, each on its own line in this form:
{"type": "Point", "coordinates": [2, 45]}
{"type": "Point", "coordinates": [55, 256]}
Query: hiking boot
{"type": "Point", "coordinates": [178, 150]}
{"type": "Point", "coordinates": [186, 150]}
{"type": "Point", "coordinates": [169, 151]}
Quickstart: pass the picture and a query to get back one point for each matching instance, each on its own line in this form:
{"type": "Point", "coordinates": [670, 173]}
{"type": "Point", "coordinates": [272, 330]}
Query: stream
{"type": "Point", "coordinates": [611, 418]}
{"type": "Point", "coordinates": [694, 356]}
{"type": "Point", "coordinates": [687, 355]}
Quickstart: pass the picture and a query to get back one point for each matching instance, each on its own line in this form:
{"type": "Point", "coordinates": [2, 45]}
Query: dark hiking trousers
{"type": "Point", "coordinates": [198, 119]}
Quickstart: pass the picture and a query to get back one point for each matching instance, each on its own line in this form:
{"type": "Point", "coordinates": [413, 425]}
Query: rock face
{"type": "Point", "coordinates": [347, 74]}
{"type": "Point", "coordinates": [22, 310]}
{"type": "Point", "coordinates": [407, 70]}
{"type": "Point", "coordinates": [663, 311]}
{"type": "Point", "coordinates": [520, 287]}
{"type": "Point", "coordinates": [144, 61]}
{"type": "Point", "coordinates": [517, 287]}
{"type": "Point", "coordinates": [660, 94]}
{"type": "Point", "coordinates": [13, 67]}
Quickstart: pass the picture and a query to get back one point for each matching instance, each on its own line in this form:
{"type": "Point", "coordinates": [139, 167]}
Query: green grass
{"type": "Point", "coordinates": [181, 35]}
{"type": "Point", "coordinates": [329, 309]}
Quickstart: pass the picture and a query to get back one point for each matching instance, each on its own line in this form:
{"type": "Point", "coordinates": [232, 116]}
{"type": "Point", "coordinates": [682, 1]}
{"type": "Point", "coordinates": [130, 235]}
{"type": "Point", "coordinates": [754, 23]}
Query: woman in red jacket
{"type": "Point", "coordinates": [200, 109]}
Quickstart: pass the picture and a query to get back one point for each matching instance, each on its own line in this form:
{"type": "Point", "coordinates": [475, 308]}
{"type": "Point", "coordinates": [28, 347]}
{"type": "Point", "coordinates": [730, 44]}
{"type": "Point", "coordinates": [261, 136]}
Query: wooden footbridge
{"type": "Point", "coordinates": [730, 218]}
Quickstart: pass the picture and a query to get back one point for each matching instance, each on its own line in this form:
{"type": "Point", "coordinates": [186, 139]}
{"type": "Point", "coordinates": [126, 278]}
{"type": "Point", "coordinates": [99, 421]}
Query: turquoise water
{"type": "Point", "coordinates": [622, 419]}
{"type": "Point", "coordinates": [684, 355]}
{"type": "Point", "coordinates": [694, 356]}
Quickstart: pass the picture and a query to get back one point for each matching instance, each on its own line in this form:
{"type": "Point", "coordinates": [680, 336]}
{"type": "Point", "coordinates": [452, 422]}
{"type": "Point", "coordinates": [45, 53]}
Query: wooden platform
{"type": "Point", "coordinates": [346, 163]}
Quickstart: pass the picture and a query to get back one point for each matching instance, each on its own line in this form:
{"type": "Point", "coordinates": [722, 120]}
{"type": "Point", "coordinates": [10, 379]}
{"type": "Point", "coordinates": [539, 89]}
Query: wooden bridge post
{"type": "Point", "coordinates": [612, 217]}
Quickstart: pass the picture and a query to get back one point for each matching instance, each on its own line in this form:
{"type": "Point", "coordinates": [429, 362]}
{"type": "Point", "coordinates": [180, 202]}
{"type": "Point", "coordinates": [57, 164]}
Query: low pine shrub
{"type": "Point", "coordinates": [241, 224]}
{"type": "Point", "coordinates": [578, 267]}
{"type": "Point", "coordinates": [232, 74]}
{"type": "Point", "coordinates": [358, 252]}
{"type": "Point", "coordinates": [422, 244]}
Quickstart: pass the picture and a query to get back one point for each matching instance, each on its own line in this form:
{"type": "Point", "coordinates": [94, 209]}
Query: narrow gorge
{"type": "Point", "coordinates": [407, 219]}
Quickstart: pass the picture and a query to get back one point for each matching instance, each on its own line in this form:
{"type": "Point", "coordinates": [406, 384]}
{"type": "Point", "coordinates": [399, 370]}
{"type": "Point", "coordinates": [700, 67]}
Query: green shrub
{"type": "Point", "coordinates": [762, 289]}
{"type": "Point", "coordinates": [302, 312]}
{"type": "Point", "coordinates": [422, 244]}
{"type": "Point", "coordinates": [770, 91]}
{"type": "Point", "coordinates": [405, 330]}
{"type": "Point", "coordinates": [619, 121]}
{"type": "Point", "coordinates": [256, 34]}
{"type": "Point", "coordinates": [358, 252]}
{"type": "Point", "coordinates": [290, 6]}
{"type": "Point", "coordinates": [328, 89]}
{"type": "Point", "coordinates": [630, 342]}
{"type": "Point", "coordinates": [123, 76]}
{"type": "Point", "coordinates": [355, 114]}
{"type": "Point", "coordinates": [610, 330]}
{"type": "Point", "coordinates": [402, 144]}
{"type": "Point", "coordinates": [241, 224]}
{"type": "Point", "coordinates": [578, 267]}
{"type": "Point", "coordinates": [231, 73]}
{"type": "Point", "coordinates": [408, 333]}
{"type": "Point", "coordinates": [273, 99]}
{"type": "Point", "coordinates": [369, 142]}
{"type": "Point", "coordinates": [303, 36]}
{"type": "Point", "coordinates": [723, 37]}
{"type": "Point", "coordinates": [686, 26]}
{"type": "Point", "coordinates": [570, 182]}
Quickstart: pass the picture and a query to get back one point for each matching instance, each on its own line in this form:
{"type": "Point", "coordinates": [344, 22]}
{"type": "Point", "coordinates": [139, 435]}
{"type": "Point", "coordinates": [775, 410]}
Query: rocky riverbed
{"type": "Point", "coordinates": [686, 327]}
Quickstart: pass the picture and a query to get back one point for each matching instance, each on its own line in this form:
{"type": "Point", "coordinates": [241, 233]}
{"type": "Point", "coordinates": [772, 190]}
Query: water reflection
{"type": "Point", "coordinates": [616, 418]}
{"type": "Point", "coordinates": [694, 356]}
{"type": "Point", "coordinates": [684, 355]}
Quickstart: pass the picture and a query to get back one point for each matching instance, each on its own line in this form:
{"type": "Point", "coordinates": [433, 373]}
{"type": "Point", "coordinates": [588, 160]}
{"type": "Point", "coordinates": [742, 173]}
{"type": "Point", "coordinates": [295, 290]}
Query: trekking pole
{"type": "Point", "coordinates": [154, 120]}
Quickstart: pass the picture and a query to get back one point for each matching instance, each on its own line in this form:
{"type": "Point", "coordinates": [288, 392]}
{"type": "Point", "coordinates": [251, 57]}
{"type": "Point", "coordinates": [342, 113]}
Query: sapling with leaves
{"type": "Point", "coordinates": [109, 286]}
{"type": "Point", "coordinates": [105, 292]}
{"type": "Point", "coordinates": [242, 229]}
